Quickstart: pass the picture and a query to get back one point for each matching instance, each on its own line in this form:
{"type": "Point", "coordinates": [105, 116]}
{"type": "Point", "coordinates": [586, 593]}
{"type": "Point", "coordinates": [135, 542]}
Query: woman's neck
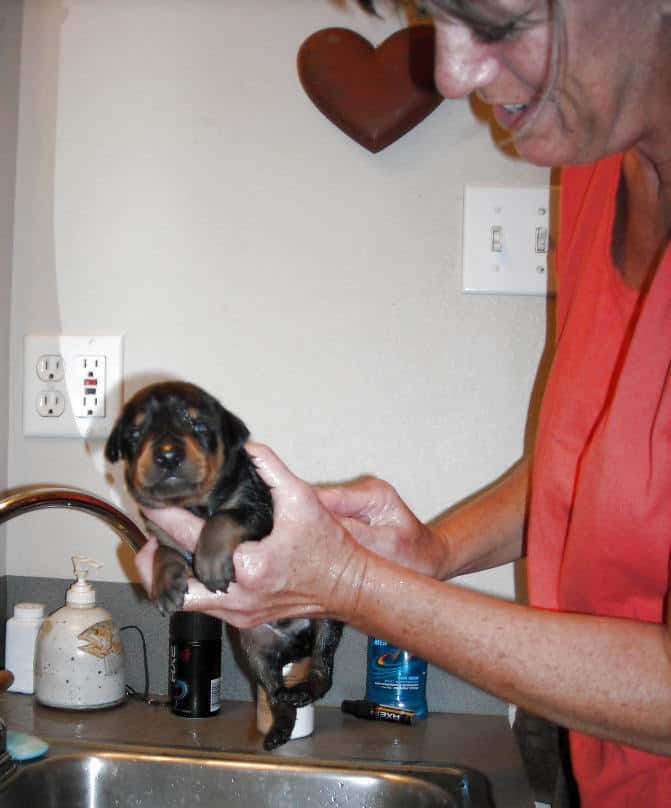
{"type": "Point", "coordinates": [643, 220]}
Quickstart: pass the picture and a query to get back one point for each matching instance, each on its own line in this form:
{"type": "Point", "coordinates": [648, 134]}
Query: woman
{"type": "Point", "coordinates": [582, 83]}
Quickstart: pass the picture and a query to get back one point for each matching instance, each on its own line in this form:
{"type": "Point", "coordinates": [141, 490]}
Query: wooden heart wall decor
{"type": "Point", "coordinates": [375, 95]}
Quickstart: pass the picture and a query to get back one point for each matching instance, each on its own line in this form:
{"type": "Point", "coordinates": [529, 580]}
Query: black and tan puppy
{"type": "Point", "coordinates": [183, 448]}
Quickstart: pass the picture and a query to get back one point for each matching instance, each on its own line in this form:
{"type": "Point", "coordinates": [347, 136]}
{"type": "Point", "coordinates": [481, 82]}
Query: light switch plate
{"type": "Point", "coordinates": [507, 240]}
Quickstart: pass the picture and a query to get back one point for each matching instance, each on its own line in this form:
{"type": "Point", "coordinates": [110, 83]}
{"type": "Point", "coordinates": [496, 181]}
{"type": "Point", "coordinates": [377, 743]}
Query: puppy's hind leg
{"type": "Point", "coordinates": [320, 677]}
{"type": "Point", "coordinates": [284, 720]}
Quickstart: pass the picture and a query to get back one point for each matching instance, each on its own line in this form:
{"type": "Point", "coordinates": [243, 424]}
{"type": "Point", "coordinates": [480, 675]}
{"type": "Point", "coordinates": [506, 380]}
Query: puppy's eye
{"type": "Point", "coordinates": [134, 434]}
{"type": "Point", "coordinates": [200, 428]}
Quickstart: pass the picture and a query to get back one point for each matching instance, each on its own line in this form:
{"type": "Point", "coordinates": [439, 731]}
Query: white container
{"type": "Point", "coordinates": [22, 630]}
{"type": "Point", "coordinates": [79, 661]}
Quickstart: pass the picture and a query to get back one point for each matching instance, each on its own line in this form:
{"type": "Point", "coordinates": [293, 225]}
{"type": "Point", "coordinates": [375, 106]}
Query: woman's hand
{"type": "Point", "coordinates": [308, 565]}
{"type": "Point", "coordinates": [6, 679]}
{"type": "Point", "coordinates": [377, 517]}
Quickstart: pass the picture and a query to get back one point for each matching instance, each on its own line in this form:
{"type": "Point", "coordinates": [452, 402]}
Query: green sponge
{"type": "Point", "coordinates": [25, 747]}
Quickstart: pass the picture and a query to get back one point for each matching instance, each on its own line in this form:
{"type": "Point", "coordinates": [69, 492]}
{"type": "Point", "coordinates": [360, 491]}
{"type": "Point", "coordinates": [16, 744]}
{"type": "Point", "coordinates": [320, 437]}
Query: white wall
{"type": "Point", "coordinates": [176, 185]}
{"type": "Point", "coordinates": [10, 40]}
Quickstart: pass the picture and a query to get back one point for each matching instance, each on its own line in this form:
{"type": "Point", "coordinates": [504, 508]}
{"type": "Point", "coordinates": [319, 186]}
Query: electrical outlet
{"type": "Point", "coordinates": [90, 371]}
{"type": "Point", "coordinates": [50, 404]}
{"type": "Point", "coordinates": [506, 240]}
{"type": "Point", "coordinates": [72, 385]}
{"type": "Point", "coordinates": [50, 368]}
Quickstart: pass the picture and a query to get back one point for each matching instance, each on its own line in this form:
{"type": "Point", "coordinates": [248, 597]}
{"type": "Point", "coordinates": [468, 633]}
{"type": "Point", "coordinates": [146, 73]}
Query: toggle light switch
{"type": "Point", "coordinates": [506, 240]}
{"type": "Point", "coordinates": [497, 238]}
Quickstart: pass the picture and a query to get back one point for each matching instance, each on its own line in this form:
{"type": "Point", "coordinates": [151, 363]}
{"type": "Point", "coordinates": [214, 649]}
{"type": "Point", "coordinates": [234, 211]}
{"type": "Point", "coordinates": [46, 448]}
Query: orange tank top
{"type": "Point", "coordinates": [600, 524]}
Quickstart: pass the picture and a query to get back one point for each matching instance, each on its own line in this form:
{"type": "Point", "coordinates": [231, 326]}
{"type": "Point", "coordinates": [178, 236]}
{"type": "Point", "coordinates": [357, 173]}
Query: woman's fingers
{"type": "Point", "coordinates": [272, 470]}
{"type": "Point", "coordinates": [343, 500]}
{"type": "Point", "coordinates": [182, 525]}
{"type": "Point", "coordinates": [369, 500]}
{"type": "Point", "coordinates": [6, 679]}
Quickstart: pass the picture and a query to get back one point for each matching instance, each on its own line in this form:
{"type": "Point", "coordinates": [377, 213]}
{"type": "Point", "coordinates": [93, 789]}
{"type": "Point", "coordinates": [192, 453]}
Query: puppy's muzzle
{"type": "Point", "coordinates": [168, 455]}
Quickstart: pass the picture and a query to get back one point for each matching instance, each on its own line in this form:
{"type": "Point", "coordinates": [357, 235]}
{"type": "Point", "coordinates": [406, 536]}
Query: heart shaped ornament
{"type": "Point", "coordinates": [375, 95]}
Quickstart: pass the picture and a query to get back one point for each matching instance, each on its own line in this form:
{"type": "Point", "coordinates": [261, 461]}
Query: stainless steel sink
{"type": "Point", "coordinates": [121, 779]}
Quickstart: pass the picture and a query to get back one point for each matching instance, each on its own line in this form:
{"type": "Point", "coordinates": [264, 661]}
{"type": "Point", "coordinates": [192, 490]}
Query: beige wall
{"type": "Point", "coordinates": [176, 185]}
{"type": "Point", "coordinates": [10, 40]}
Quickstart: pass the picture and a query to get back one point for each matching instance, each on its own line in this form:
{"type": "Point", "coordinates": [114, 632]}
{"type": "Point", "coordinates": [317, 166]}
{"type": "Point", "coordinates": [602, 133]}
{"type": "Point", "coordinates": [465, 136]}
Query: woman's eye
{"type": "Point", "coordinates": [491, 34]}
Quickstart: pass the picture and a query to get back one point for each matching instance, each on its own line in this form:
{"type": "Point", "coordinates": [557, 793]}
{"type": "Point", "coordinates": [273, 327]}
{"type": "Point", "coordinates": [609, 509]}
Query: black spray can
{"type": "Point", "coordinates": [195, 664]}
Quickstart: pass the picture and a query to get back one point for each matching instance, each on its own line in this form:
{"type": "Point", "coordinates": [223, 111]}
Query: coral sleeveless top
{"type": "Point", "coordinates": [600, 523]}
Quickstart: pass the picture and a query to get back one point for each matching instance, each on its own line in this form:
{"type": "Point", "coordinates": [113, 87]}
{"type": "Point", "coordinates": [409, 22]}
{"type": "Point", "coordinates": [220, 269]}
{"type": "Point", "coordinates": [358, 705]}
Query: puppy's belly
{"type": "Point", "coordinates": [271, 635]}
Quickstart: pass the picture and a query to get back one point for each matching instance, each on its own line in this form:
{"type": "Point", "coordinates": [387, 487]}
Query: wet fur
{"type": "Point", "coordinates": [182, 447]}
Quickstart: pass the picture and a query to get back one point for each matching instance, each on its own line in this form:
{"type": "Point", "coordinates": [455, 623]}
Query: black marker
{"type": "Point", "coordinates": [377, 712]}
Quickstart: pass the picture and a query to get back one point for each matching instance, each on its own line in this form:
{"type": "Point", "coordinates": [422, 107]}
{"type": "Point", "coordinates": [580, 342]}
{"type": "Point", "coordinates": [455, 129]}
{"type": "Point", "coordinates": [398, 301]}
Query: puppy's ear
{"type": "Point", "coordinates": [113, 445]}
{"type": "Point", "coordinates": [233, 430]}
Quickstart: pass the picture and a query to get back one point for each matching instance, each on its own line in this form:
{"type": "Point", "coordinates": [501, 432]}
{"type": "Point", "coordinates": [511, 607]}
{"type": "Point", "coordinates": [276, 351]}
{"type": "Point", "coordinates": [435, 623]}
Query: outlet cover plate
{"type": "Point", "coordinates": [515, 214]}
{"type": "Point", "coordinates": [70, 348]}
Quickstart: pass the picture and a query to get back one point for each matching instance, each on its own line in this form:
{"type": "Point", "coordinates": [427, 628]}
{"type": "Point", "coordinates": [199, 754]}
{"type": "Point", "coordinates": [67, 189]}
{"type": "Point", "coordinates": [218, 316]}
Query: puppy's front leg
{"type": "Point", "coordinates": [213, 559]}
{"type": "Point", "coordinates": [171, 572]}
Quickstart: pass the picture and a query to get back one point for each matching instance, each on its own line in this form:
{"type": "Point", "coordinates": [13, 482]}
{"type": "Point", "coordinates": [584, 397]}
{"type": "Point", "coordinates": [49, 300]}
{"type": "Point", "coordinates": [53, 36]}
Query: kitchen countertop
{"type": "Point", "coordinates": [482, 742]}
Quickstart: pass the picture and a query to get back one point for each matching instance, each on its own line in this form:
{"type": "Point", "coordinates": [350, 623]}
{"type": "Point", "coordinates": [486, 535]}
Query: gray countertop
{"type": "Point", "coordinates": [482, 742]}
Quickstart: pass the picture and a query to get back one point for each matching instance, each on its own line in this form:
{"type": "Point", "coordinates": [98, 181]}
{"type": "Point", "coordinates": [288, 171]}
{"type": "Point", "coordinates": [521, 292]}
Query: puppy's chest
{"type": "Point", "coordinates": [293, 636]}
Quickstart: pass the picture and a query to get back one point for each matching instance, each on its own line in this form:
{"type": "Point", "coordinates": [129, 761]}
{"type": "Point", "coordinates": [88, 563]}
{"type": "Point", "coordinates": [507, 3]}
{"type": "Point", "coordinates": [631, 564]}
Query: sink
{"type": "Point", "coordinates": [86, 778]}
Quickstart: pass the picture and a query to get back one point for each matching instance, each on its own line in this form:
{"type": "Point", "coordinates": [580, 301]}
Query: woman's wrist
{"type": "Point", "coordinates": [347, 580]}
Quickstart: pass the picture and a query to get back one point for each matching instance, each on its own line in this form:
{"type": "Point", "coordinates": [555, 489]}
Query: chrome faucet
{"type": "Point", "coordinates": [16, 501]}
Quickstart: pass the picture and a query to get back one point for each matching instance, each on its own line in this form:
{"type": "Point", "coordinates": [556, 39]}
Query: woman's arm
{"type": "Point", "coordinates": [602, 676]}
{"type": "Point", "coordinates": [488, 529]}
{"type": "Point", "coordinates": [483, 532]}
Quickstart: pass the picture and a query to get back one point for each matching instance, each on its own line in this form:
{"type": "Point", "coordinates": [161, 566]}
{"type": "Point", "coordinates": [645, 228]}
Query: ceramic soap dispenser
{"type": "Point", "coordinates": [79, 660]}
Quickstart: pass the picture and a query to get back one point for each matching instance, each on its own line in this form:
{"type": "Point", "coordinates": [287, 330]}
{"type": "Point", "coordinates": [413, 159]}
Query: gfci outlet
{"type": "Point", "coordinates": [72, 385]}
{"type": "Point", "coordinates": [507, 240]}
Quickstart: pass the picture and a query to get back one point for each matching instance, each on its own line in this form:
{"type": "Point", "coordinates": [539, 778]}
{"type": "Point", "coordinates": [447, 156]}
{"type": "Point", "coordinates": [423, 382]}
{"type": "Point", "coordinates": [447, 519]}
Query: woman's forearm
{"type": "Point", "coordinates": [602, 676]}
{"type": "Point", "coordinates": [488, 529]}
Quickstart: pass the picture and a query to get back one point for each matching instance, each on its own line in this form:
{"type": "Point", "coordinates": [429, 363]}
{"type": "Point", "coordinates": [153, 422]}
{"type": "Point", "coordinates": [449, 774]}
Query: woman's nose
{"type": "Point", "coordinates": [463, 64]}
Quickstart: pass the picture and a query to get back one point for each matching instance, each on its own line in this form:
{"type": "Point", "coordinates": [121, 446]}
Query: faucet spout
{"type": "Point", "coordinates": [16, 501]}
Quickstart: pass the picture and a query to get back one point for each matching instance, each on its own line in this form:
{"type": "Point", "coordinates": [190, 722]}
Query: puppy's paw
{"type": "Point", "coordinates": [311, 689]}
{"type": "Point", "coordinates": [171, 600]}
{"type": "Point", "coordinates": [277, 736]}
{"type": "Point", "coordinates": [213, 559]}
{"type": "Point", "coordinates": [216, 572]}
{"type": "Point", "coordinates": [170, 583]}
{"type": "Point", "coordinates": [284, 719]}
{"type": "Point", "coordinates": [297, 696]}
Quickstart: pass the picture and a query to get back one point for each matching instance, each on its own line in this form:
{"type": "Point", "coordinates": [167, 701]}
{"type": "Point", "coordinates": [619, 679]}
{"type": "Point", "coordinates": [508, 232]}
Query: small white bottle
{"type": "Point", "coordinates": [22, 630]}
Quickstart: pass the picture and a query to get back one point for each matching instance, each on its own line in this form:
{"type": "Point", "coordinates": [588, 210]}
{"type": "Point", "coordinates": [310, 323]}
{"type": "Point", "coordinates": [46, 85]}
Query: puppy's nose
{"type": "Point", "coordinates": [168, 455]}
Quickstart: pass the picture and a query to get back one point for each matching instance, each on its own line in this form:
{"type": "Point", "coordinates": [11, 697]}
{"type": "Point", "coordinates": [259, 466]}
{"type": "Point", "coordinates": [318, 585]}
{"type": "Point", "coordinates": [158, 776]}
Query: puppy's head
{"type": "Point", "coordinates": [176, 440]}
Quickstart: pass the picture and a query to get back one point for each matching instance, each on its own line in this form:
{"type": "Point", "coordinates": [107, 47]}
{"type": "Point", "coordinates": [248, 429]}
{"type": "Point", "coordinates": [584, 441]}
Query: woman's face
{"type": "Point", "coordinates": [602, 88]}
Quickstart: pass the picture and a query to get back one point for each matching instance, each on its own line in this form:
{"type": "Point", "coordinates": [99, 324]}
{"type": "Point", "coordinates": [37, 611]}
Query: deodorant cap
{"type": "Point", "coordinates": [194, 627]}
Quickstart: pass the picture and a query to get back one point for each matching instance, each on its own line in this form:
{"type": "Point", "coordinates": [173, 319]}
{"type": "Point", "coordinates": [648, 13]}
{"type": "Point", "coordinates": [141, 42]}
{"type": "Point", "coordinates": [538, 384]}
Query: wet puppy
{"type": "Point", "coordinates": [183, 448]}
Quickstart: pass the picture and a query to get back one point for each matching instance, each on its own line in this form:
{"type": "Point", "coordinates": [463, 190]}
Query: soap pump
{"type": "Point", "coordinates": [79, 661]}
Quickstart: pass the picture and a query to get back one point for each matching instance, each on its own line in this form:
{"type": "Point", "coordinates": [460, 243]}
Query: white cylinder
{"type": "Point", "coordinates": [22, 631]}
